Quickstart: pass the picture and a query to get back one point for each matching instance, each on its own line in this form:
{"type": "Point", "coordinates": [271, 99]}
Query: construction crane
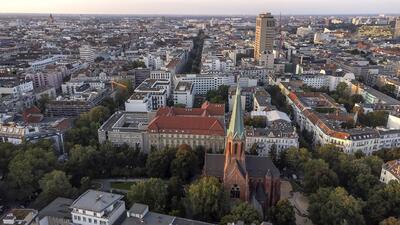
{"type": "Point", "coordinates": [114, 83]}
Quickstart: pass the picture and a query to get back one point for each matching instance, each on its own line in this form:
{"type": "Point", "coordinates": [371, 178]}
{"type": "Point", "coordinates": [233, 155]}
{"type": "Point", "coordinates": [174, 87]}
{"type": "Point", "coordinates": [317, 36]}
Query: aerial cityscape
{"type": "Point", "coordinates": [200, 112]}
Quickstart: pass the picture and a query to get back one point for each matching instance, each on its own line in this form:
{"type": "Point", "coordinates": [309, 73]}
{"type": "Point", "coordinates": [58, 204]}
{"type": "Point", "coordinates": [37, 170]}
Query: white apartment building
{"type": "Point", "coordinates": [315, 81]}
{"type": "Point", "coordinates": [161, 75]}
{"type": "Point", "coordinates": [217, 64]}
{"type": "Point", "coordinates": [326, 131]}
{"type": "Point", "coordinates": [245, 82]}
{"type": "Point", "coordinates": [390, 171]}
{"type": "Point", "coordinates": [40, 64]}
{"type": "Point", "coordinates": [205, 82]}
{"type": "Point", "coordinates": [183, 94]}
{"type": "Point", "coordinates": [72, 87]}
{"type": "Point", "coordinates": [16, 88]}
{"type": "Point", "coordinates": [152, 93]}
{"type": "Point", "coordinates": [326, 81]}
{"type": "Point", "coordinates": [266, 60]}
{"type": "Point", "coordinates": [138, 103]}
{"type": "Point", "coordinates": [87, 53]}
{"type": "Point", "coordinates": [154, 62]}
{"type": "Point", "coordinates": [279, 132]}
{"type": "Point", "coordinates": [97, 208]}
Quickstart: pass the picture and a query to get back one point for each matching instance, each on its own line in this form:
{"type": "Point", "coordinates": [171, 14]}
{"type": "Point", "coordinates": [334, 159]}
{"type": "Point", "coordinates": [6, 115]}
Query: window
{"type": "Point", "coordinates": [84, 219]}
{"type": "Point", "coordinates": [94, 221]}
{"type": "Point", "coordinates": [89, 220]}
{"type": "Point", "coordinates": [235, 191]}
{"type": "Point", "coordinates": [236, 146]}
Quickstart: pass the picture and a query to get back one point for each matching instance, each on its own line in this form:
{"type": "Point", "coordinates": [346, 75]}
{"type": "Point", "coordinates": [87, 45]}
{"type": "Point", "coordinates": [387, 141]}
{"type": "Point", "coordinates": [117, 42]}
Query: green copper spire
{"type": "Point", "coordinates": [236, 125]}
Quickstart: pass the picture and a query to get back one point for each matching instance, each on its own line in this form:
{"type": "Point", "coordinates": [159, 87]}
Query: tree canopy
{"type": "Point", "coordinates": [242, 211]}
{"type": "Point", "coordinates": [206, 200]}
{"type": "Point", "coordinates": [283, 213]}
{"type": "Point", "coordinates": [152, 192]}
{"type": "Point", "coordinates": [335, 206]}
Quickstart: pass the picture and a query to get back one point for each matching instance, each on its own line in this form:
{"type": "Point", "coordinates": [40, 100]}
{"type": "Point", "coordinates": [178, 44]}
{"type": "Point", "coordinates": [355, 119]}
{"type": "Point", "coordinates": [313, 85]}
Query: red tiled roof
{"type": "Point", "coordinates": [206, 110]}
{"type": "Point", "coordinates": [32, 115]}
{"type": "Point", "coordinates": [186, 125]}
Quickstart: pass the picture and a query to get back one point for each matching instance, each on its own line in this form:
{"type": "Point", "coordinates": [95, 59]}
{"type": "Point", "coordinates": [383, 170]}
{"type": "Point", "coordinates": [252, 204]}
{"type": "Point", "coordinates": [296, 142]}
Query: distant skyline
{"type": "Point", "coordinates": [201, 7]}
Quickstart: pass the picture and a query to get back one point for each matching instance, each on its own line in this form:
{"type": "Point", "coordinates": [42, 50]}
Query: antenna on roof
{"type": "Point", "coordinates": [99, 197]}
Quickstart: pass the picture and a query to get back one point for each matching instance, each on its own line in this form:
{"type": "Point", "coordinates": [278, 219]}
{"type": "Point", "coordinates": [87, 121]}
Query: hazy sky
{"type": "Point", "coordinates": [200, 6]}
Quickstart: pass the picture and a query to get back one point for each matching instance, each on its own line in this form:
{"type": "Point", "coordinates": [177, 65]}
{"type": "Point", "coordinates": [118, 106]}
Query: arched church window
{"type": "Point", "coordinates": [236, 148]}
{"type": "Point", "coordinates": [235, 191]}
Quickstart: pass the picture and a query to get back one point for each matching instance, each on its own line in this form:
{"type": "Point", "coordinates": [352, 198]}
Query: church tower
{"type": "Point", "coordinates": [235, 174]}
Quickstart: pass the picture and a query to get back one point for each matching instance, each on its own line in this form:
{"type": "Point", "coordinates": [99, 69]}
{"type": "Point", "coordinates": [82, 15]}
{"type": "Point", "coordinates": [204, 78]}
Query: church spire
{"type": "Point", "coordinates": [236, 126]}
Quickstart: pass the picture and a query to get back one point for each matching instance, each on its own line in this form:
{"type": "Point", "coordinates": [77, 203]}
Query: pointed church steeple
{"type": "Point", "coordinates": [236, 126]}
{"type": "Point", "coordinates": [235, 138]}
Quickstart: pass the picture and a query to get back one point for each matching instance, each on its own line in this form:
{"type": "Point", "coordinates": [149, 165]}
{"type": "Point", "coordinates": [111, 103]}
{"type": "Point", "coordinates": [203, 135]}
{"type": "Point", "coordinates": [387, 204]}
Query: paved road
{"type": "Point", "coordinates": [298, 200]}
{"type": "Point", "coordinates": [105, 184]}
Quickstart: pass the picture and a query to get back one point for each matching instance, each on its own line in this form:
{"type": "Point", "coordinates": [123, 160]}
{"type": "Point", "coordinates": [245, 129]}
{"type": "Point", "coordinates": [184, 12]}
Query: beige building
{"type": "Point", "coordinates": [203, 126]}
{"type": "Point", "coordinates": [265, 34]}
{"type": "Point", "coordinates": [173, 131]}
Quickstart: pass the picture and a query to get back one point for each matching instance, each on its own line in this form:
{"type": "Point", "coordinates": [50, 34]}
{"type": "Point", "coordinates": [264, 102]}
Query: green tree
{"type": "Point", "coordinates": [296, 158]}
{"type": "Point", "coordinates": [317, 174]}
{"type": "Point", "coordinates": [7, 153]}
{"type": "Point", "coordinates": [253, 149]}
{"type": "Point", "coordinates": [152, 192]}
{"type": "Point", "coordinates": [159, 162]}
{"type": "Point", "coordinates": [335, 206]}
{"type": "Point", "coordinates": [185, 163]}
{"type": "Point", "coordinates": [98, 114]}
{"type": "Point", "coordinates": [383, 202]}
{"type": "Point", "coordinates": [356, 99]}
{"type": "Point", "coordinates": [206, 200]}
{"type": "Point", "coordinates": [42, 102]}
{"type": "Point", "coordinates": [388, 89]}
{"type": "Point", "coordinates": [283, 213]}
{"type": "Point", "coordinates": [257, 121]}
{"type": "Point", "coordinates": [26, 169]}
{"type": "Point", "coordinates": [219, 96]}
{"type": "Point", "coordinates": [342, 89]}
{"type": "Point", "coordinates": [273, 154]}
{"type": "Point", "coordinates": [54, 184]}
{"type": "Point", "coordinates": [373, 119]}
{"type": "Point", "coordinates": [390, 221]}
{"type": "Point", "coordinates": [242, 212]}
{"type": "Point", "coordinates": [388, 154]}
{"type": "Point", "coordinates": [330, 154]}
{"type": "Point", "coordinates": [278, 99]}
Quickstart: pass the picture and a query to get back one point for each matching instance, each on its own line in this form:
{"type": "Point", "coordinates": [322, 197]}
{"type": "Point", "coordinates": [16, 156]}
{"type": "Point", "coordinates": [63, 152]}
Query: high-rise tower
{"type": "Point", "coordinates": [265, 34]}
{"type": "Point", "coordinates": [396, 33]}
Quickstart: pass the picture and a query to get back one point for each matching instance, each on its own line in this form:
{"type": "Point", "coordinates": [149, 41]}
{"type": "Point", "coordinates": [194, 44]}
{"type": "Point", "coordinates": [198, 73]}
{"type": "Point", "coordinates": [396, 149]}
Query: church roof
{"type": "Point", "coordinates": [236, 126]}
{"type": "Point", "coordinates": [256, 166]}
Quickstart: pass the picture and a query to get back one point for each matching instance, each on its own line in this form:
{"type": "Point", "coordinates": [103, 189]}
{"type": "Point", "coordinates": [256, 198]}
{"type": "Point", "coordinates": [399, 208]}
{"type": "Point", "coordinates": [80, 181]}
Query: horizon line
{"type": "Point", "coordinates": [222, 14]}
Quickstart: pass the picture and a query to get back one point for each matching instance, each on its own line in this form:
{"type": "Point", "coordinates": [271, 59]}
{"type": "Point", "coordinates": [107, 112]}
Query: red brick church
{"type": "Point", "coordinates": [254, 179]}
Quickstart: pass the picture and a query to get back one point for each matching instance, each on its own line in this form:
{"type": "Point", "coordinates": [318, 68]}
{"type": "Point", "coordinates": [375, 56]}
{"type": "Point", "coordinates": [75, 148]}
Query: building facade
{"type": "Point", "coordinates": [265, 34]}
{"type": "Point", "coordinates": [97, 208]}
{"type": "Point", "coordinates": [390, 171]}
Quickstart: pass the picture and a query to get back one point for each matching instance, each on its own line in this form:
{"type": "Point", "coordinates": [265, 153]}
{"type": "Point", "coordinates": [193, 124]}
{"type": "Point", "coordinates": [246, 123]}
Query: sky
{"type": "Point", "coordinates": [201, 7]}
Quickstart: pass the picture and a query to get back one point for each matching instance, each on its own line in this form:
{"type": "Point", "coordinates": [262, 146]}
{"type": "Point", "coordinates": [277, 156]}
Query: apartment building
{"type": "Point", "coordinates": [97, 208]}
{"type": "Point", "coordinates": [183, 94]}
{"type": "Point", "coordinates": [390, 171]}
{"type": "Point", "coordinates": [205, 82]}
